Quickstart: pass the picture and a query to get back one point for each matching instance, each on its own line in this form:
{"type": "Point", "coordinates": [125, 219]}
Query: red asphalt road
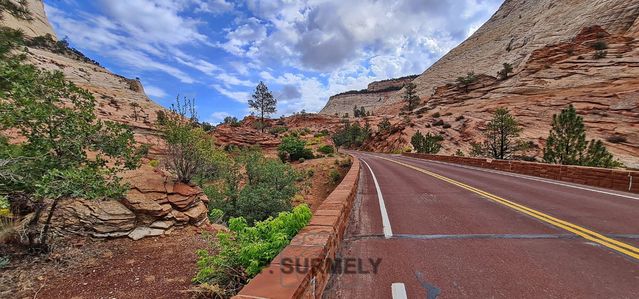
{"type": "Point", "coordinates": [459, 244]}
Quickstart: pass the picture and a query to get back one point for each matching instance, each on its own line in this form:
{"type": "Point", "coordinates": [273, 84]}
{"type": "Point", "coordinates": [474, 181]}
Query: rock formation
{"type": "Point", "coordinates": [582, 52]}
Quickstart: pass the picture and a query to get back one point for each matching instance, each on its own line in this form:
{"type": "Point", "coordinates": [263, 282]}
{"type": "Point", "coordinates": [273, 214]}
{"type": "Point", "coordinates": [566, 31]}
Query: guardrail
{"type": "Point", "coordinates": [302, 269]}
{"type": "Point", "coordinates": [622, 180]}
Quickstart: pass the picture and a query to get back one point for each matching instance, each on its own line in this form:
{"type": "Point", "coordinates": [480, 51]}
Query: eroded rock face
{"type": "Point", "coordinates": [154, 205]}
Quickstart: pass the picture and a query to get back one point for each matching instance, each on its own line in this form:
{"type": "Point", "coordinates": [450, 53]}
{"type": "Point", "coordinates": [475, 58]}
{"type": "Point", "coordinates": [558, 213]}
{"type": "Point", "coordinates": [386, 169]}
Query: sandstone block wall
{"type": "Point", "coordinates": [622, 180]}
{"type": "Point", "coordinates": [311, 251]}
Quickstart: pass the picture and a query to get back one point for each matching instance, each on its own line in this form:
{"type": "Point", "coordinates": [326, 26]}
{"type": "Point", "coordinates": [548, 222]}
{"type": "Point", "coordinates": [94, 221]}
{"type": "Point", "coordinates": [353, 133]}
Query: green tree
{"type": "Point", "coordinates": [466, 81]}
{"type": "Point", "coordinates": [410, 96]}
{"type": "Point", "coordinates": [567, 143]}
{"type": "Point", "coordinates": [507, 69]}
{"type": "Point", "coordinates": [60, 129]}
{"type": "Point", "coordinates": [263, 101]}
{"type": "Point", "coordinates": [351, 136]}
{"type": "Point", "coordinates": [430, 144]}
{"type": "Point", "coordinates": [500, 135]}
{"type": "Point", "coordinates": [567, 138]}
{"type": "Point", "coordinates": [293, 148]}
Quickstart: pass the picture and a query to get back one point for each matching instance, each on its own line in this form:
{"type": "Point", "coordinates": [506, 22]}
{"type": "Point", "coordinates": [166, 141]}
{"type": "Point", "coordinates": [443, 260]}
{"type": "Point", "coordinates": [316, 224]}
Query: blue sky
{"type": "Point", "coordinates": [217, 51]}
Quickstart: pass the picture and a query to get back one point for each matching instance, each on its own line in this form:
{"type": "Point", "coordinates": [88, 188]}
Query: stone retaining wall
{"type": "Point", "coordinates": [302, 269]}
{"type": "Point", "coordinates": [622, 180]}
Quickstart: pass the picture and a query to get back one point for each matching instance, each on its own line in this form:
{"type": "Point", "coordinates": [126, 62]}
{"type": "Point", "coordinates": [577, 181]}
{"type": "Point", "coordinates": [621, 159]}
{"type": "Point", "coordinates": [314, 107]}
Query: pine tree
{"type": "Point", "coordinates": [410, 96]}
{"type": "Point", "coordinates": [263, 101]}
{"type": "Point", "coordinates": [503, 74]}
{"type": "Point", "coordinates": [567, 138]}
{"type": "Point", "coordinates": [567, 143]}
{"type": "Point", "coordinates": [501, 133]}
{"type": "Point", "coordinates": [597, 155]}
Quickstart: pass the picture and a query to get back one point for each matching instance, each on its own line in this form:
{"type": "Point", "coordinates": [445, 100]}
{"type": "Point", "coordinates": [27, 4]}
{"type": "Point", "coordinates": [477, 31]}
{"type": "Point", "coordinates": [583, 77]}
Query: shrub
{"type": "Point", "coordinates": [191, 152]}
{"type": "Point", "coordinates": [459, 153]}
{"type": "Point", "coordinates": [617, 139]}
{"type": "Point", "coordinates": [334, 176]}
{"type": "Point", "coordinates": [154, 163]}
{"type": "Point", "coordinates": [600, 45]}
{"type": "Point", "coordinates": [600, 54]}
{"type": "Point", "coordinates": [232, 121]}
{"type": "Point", "coordinates": [461, 117]}
{"type": "Point", "coordinates": [429, 144]}
{"type": "Point", "coordinates": [465, 82]}
{"type": "Point", "coordinates": [503, 73]}
{"type": "Point", "coordinates": [245, 250]}
{"type": "Point", "coordinates": [436, 115]}
{"type": "Point", "coordinates": [277, 130]}
{"type": "Point", "coordinates": [301, 160]}
{"type": "Point", "coordinates": [326, 149]}
{"type": "Point", "coordinates": [269, 188]}
{"type": "Point", "coordinates": [446, 126]}
{"type": "Point", "coordinates": [385, 125]}
{"type": "Point", "coordinates": [438, 123]}
{"type": "Point", "coordinates": [322, 133]}
{"type": "Point", "coordinates": [293, 148]}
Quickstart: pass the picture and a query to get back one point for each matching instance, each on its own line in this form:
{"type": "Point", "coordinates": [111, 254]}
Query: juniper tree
{"type": "Point", "coordinates": [410, 96]}
{"type": "Point", "coordinates": [263, 101]}
{"type": "Point", "coordinates": [466, 81]}
{"type": "Point", "coordinates": [503, 74]}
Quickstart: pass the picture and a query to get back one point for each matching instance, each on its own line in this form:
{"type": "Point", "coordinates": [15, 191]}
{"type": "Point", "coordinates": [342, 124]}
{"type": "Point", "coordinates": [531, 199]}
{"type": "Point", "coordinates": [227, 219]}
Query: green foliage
{"type": "Point", "coordinates": [500, 135]}
{"type": "Point", "coordinates": [293, 148]}
{"type": "Point", "coordinates": [410, 97]}
{"type": "Point", "coordinates": [384, 125]}
{"type": "Point", "coordinates": [57, 120]}
{"type": "Point", "coordinates": [245, 250]}
{"type": "Point", "coordinates": [216, 215]}
{"type": "Point", "coordinates": [567, 138]}
{"type": "Point", "coordinates": [566, 143]}
{"type": "Point", "coordinates": [263, 102]}
{"type": "Point", "coordinates": [334, 176]}
{"type": "Point", "coordinates": [430, 144]}
{"type": "Point", "coordinates": [154, 163]}
{"type": "Point", "coordinates": [466, 81]}
{"type": "Point", "coordinates": [459, 153]}
{"type": "Point", "coordinates": [231, 121]}
{"type": "Point", "coordinates": [322, 133]}
{"type": "Point", "coordinates": [503, 73]}
{"type": "Point", "coordinates": [4, 262]}
{"type": "Point", "coordinates": [351, 136]}
{"type": "Point", "coordinates": [191, 152]}
{"type": "Point", "coordinates": [326, 149]}
{"type": "Point", "coordinates": [600, 45]}
{"type": "Point", "coordinates": [277, 130]}
{"type": "Point", "coordinates": [268, 189]}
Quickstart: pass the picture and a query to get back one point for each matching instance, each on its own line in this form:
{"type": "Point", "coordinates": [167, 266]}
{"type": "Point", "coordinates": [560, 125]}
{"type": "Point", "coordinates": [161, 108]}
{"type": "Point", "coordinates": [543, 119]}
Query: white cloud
{"type": "Point", "coordinates": [239, 96]}
{"type": "Point", "coordinates": [154, 91]}
{"type": "Point", "coordinates": [217, 117]}
{"type": "Point", "coordinates": [229, 80]}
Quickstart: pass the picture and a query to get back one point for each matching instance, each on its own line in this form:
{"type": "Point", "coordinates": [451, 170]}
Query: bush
{"type": "Point", "coordinates": [334, 176]}
{"type": "Point", "coordinates": [277, 130]}
{"type": "Point", "coordinates": [461, 117]}
{"type": "Point", "coordinates": [301, 160]}
{"type": "Point", "coordinates": [293, 148]}
{"type": "Point", "coordinates": [600, 45]}
{"type": "Point", "coordinates": [436, 115]}
{"type": "Point", "coordinates": [191, 152]}
{"type": "Point", "coordinates": [269, 188]}
{"type": "Point", "coordinates": [245, 250]}
{"type": "Point", "coordinates": [428, 143]}
{"type": "Point", "coordinates": [446, 126]}
{"type": "Point", "coordinates": [326, 149]}
{"type": "Point", "coordinates": [232, 121]}
{"type": "Point", "coordinates": [154, 163]}
{"type": "Point", "coordinates": [438, 123]}
{"type": "Point", "coordinates": [600, 54]}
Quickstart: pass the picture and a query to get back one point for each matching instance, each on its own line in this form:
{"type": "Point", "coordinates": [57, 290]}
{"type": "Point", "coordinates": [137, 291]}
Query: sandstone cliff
{"type": "Point", "coordinates": [376, 95]}
{"type": "Point", "coordinates": [582, 52]}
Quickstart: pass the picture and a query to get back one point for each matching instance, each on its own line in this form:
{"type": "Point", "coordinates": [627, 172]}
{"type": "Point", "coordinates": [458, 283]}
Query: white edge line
{"type": "Point", "coordinates": [516, 175]}
{"type": "Point", "coordinates": [388, 232]}
{"type": "Point", "coordinates": [398, 290]}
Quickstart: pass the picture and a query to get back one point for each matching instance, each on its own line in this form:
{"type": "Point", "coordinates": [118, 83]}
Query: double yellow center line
{"type": "Point", "coordinates": [573, 228]}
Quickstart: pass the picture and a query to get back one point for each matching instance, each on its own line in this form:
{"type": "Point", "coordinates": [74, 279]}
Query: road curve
{"type": "Point", "coordinates": [446, 231]}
